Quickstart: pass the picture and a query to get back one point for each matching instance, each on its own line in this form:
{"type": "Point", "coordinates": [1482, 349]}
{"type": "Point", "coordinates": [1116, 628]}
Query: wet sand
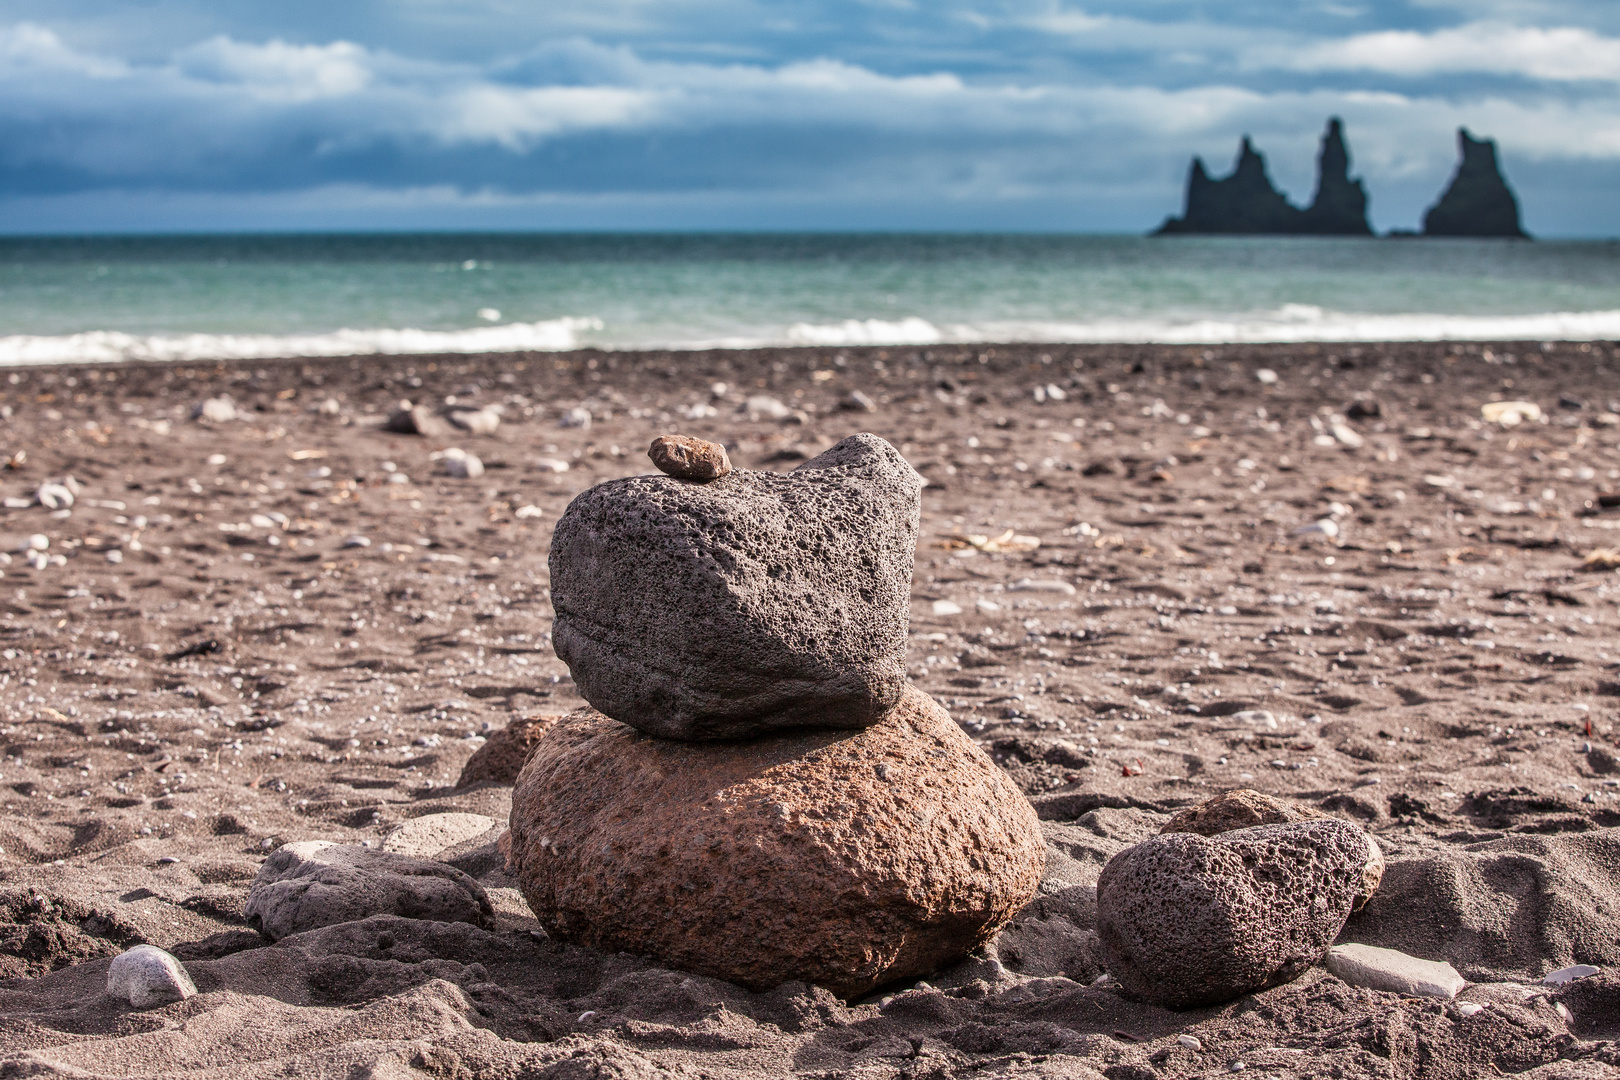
{"type": "Point", "coordinates": [294, 625]}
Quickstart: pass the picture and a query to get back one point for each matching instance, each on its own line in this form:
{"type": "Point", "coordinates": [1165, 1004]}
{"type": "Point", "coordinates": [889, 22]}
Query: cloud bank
{"type": "Point", "coordinates": [805, 115]}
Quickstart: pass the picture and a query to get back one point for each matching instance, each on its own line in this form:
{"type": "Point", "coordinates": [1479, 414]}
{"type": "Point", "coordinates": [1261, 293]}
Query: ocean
{"type": "Point", "coordinates": [66, 299]}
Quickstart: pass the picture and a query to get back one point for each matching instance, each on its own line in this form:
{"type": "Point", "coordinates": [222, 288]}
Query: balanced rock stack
{"type": "Point", "coordinates": [758, 795]}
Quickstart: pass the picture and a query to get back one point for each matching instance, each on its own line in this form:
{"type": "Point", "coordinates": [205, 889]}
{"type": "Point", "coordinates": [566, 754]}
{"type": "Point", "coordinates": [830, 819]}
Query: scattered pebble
{"type": "Point", "coordinates": [1510, 413]}
{"type": "Point", "coordinates": [53, 495]}
{"type": "Point", "coordinates": [1469, 1008]}
{"type": "Point", "coordinates": [1042, 585]}
{"type": "Point", "coordinates": [483, 421]}
{"type": "Point", "coordinates": [577, 417]}
{"type": "Point", "coordinates": [947, 607]}
{"type": "Point", "coordinates": [146, 976]}
{"type": "Point", "coordinates": [1394, 971]}
{"type": "Point", "coordinates": [530, 511]}
{"type": "Point", "coordinates": [1266, 376]}
{"type": "Point", "coordinates": [1190, 1042]}
{"type": "Point", "coordinates": [688, 458]}
{"type": "Point", "coordinates": [218, 410]}
{"type": "Point", "coordinates": [1569, 974]}
{"type": "Point", "coordinates": [460, 464]}
{"type": "Point", "coordinates": [856, 401]}
{"type": "Point", "coordinates": [765, 407]}
{"type": "Point", "coordinates": [551, 464]}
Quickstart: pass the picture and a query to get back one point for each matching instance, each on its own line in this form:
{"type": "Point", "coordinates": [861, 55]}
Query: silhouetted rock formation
{"type": "Point", "coordinates": [1246, 202]}
{"type": "Point", "coordinates": [1478, 202]}
{"type": "Point", "coordinates": [1340, 205]}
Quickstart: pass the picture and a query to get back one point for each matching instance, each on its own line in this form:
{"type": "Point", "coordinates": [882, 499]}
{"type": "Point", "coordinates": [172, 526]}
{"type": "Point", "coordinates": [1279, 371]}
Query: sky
{"type": "Point", "coordinates": [1043, 115]}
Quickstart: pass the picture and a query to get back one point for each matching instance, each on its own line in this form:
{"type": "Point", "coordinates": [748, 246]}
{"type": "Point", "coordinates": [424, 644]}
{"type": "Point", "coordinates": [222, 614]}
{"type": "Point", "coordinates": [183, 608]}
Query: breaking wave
{"type": "Point", "coordinates": [1292, 322]}
{"type": "Point", "coordinates": [112, 346]}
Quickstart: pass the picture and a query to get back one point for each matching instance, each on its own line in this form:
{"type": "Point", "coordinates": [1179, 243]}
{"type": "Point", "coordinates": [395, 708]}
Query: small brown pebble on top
{"type": "Point", "coordinates": [686, 458]}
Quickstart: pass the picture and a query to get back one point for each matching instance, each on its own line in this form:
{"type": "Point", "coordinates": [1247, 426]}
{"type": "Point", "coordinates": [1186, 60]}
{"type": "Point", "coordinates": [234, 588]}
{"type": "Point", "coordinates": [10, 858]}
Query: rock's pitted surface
{"type": "Point", "coordinates": [687, 458]}
{"type": "Point", "coordinates": [315, 883]}
{"type": "Point", "coordinates": [1240, 808]}
{"type": "Point", "coordinates": [1478, 201]}
{"type": "Point", "coordinates": [146, 976]}
{"type": "Point", "coordinates": [501, 757]}
{"type": "Point", "coordinates": [755, 602]}
{"type": "Point", "coordinates": [1185, 920]}
{"type": "Point", "coordinates": [1243, 808]}
{"type": "Point", "coordinates": [842, 859]}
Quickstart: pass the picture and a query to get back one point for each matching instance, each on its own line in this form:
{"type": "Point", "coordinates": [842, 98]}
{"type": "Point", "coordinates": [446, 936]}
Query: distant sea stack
{"type": "Point", "coordinates": [1340, 205]}
{"type": "Point", "coordinates": [1246, 202]}
{"type": "Point", "coordinates": [1479, 201]}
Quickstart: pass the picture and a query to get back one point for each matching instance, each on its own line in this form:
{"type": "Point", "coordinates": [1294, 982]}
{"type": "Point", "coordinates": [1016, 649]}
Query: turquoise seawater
{"type": "Point", "coordinates": [113, 298]}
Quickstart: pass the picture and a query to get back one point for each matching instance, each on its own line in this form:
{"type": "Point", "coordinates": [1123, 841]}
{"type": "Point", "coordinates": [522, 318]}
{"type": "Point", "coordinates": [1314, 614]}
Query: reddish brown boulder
{"type": "Point", "coordinates": [688, 458]}
{"type": "Point", "coordinates": [1238, 809]}
{"type": "Point", "coordinates": [843, 859]}
{"type": "Point", "coordinates": [501, 757]}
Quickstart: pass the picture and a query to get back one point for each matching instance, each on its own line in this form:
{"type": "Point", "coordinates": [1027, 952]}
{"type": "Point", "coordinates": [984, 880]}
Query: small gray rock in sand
{"type": "Point", "coordinates": [1185, 920]}
{"type": "Point", "coordinates": [1392, 970]}
{"type": "Point", "coordinates": [461, 465]}
{"type": "Point", "coordinates": [687, 458]}
{"type": "Point", "coordinates": [146, 976]}
{"type": "Point", "coordinates": [411, 419]}
{"type": "Point", "coordinates": [483, 421]}
{"type": "Point", "coordinates": [316, 883]}
{"type": "Point", "coordinates": [755, 602]}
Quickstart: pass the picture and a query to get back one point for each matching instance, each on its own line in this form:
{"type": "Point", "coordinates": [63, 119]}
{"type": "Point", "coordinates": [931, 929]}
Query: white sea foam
{"type": "Point", "coordinates": [112, 346]}
{"type": "Point", "coordinates": [909, 331]}
{"type": "Point", "coordinates": [1291, 322]}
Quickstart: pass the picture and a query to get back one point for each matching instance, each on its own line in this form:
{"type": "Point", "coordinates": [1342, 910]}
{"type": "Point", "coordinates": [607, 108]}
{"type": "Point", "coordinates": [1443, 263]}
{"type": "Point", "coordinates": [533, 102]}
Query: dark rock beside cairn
{"type": "Point", "coordinates": [1185, 920]}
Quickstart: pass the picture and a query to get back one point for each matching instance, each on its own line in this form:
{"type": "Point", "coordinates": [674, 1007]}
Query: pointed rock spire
{"type": "Point", "coordinates": [1340, 205]}
{"type": "Point", "coordinates": [1478, 201]}
{"type": "Point", "coordinates": [1244, 202]}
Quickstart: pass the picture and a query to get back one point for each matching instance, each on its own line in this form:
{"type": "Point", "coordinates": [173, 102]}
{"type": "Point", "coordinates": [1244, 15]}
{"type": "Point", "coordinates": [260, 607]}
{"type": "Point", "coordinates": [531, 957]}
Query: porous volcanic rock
{"type": "Point", "coordinates": [1186, 920]}
{"type": "Point", "coordinates": [756, 602]}
{"type": "Point", "coordinates": [1240, 808]}
{"type": "Point", "coordinates": [316, 883]}
{"type": "Point", "coordinates": [687, 458]}
{"type": "Point", "coordinates": [846, 860]}
{"type": "Point", "coordinates": [501, 757]}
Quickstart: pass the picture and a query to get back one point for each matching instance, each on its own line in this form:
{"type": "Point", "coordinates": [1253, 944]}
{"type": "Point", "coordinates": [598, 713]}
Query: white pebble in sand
{"type": "Point", "coordinates": [1395, 971]}
{"type": "Point", "coordinates": [1569, 974]}
{"type": "Point", "coordinates": [146, 976]}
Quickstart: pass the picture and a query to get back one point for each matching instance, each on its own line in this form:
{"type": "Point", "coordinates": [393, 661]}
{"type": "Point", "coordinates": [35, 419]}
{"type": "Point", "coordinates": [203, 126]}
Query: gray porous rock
{"type": "Point", "coordinates": [756, 602]}
{"type": "Point", "coordinates": [316, 883]}
{"type": "Point", "coordinates": [847, 860]}
{"type": "Point", "coordinates": [146, 976]}
{"type": "Point", "coordinates": [1186, 920]}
